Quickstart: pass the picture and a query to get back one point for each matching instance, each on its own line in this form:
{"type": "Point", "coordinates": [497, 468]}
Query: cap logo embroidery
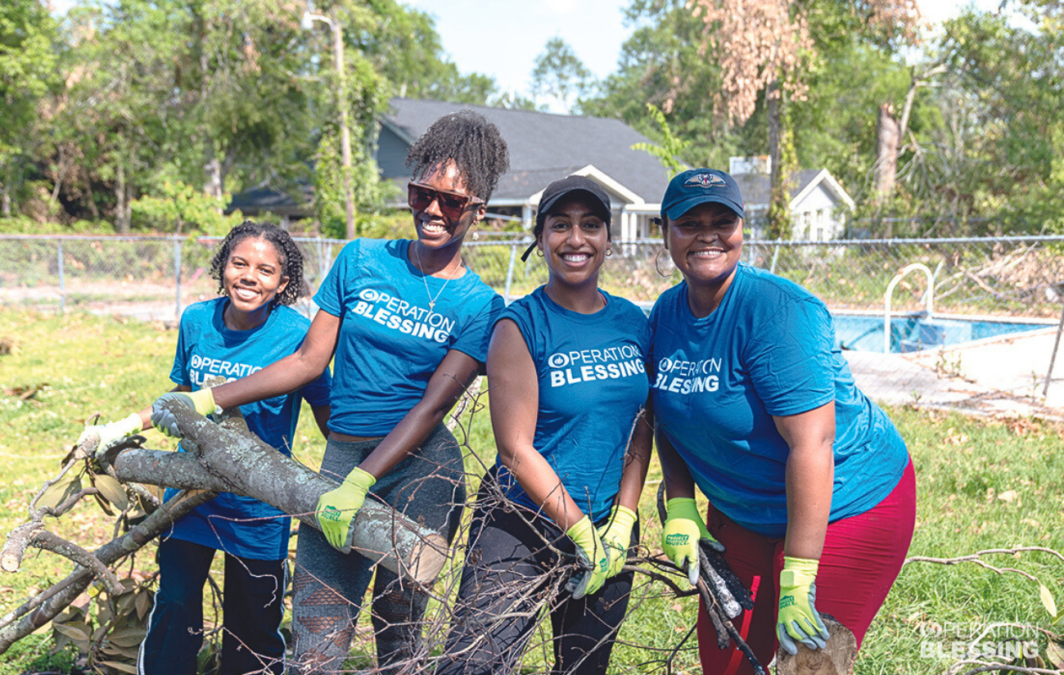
{"type": "Point", "coordinates": [705, 180]}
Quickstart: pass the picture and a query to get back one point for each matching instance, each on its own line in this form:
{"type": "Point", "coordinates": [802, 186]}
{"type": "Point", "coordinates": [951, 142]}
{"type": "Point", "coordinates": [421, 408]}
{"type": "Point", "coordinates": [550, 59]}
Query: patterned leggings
{"type": "Point", "coordinates": [429, 487]}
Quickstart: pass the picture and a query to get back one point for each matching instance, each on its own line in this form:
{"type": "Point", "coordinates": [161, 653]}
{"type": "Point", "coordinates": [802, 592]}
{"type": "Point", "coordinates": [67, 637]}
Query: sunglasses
{"type": "Point", "coordinates": [452, 205]}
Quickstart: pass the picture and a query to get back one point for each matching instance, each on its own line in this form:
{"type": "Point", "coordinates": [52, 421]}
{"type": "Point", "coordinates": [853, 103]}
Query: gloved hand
{"type": "Point", "coordinates": [337, 508]}
{"type": "Point", "coordinates": [589, 549]}
{"type": "Point", "coordinates": [616, 536]}
{"type": "Point", "coordinates": [798, 618]}
{"type": "Point", "coordinates": [679, 540]}
{"type": "Point", "coordinates": [201, 401]}
{"type": "Point", "coordinates": [112, 432]}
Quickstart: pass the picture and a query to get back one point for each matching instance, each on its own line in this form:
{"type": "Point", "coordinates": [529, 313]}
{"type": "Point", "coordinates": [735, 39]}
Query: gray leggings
{"type": "Point", "coordinates": [329, 587]}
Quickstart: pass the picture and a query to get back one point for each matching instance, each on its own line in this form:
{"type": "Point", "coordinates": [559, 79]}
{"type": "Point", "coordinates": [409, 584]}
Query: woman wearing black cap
{"type": "Point", "coordinates": [568, 391]}
{"type": "Point", "coordinates": [812, 492]}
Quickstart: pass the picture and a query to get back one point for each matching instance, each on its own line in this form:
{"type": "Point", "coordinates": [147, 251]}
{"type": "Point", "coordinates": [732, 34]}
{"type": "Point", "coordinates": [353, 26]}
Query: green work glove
{"type": "Point", "coordinates": [616, 536]}
{"type": "Point", "coordinates": [589, 550]}
{"type": "Point", "coordinates": [679, 540]}
{"type": "Point", "coordinates": [798, 618]}
{"type": "Point", "coordinates": [337, 508]}
{"type": "Point", "coordinates": [112, 432]}
{"type": "Point", "coordinates": [201, 401]}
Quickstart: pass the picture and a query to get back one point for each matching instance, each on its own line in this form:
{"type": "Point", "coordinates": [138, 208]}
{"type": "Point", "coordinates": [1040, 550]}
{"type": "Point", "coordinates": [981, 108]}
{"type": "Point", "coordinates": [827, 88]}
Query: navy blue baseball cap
{"type": "Point", "coordinates": [699, 186]}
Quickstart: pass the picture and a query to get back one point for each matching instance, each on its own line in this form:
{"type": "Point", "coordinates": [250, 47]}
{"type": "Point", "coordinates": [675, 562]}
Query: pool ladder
{"type": "Point", "coordinates": [929, 297]}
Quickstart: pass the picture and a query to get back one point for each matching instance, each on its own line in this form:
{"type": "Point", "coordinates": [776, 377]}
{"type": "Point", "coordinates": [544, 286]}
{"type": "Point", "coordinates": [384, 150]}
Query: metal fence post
{"type": "Point", "coordinates": [62, 284]}
{"type": "Point", "coordinates": [510, 271]}
{"type": "Point", "coordinates": [1053, 358]}
{"type": "Point", "coordinates": [177, 276]}
{"type": "Point", "coordinates": [321, 261]}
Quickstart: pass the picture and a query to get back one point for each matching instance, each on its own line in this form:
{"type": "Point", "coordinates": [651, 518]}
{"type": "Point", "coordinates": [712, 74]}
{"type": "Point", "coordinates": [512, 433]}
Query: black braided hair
{"type": "Point", "coordinates": [291, 257]}
{"type": "Point", "coordinates": [471, 142]}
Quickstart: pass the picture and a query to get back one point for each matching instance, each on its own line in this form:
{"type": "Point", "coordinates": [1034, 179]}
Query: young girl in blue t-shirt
{"type": "Point", "coordinates": [568, 391]}
{"type": "Point", "coordinates": [259, 271]}
{"type": "Point", "coordinates": [409, 325]}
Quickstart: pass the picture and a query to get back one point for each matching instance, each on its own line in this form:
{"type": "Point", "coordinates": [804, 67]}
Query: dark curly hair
{"type": "Point", "coordinates": [291, 258]}
{"type": "Point", "coordinates": [471, 142]}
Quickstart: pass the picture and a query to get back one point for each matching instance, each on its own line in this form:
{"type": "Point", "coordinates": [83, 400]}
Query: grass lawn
{"type": "Point", "coordinates": [983, 484]}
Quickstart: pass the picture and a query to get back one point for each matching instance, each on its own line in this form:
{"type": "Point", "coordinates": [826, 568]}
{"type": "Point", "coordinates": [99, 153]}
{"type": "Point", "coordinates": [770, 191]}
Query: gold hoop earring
{"type": "Point", "coordinates": [609, 252]}
{"type": "Point", "coordinates": [657, 264]}
{"type": "Point", "coordinates": [539, 252]}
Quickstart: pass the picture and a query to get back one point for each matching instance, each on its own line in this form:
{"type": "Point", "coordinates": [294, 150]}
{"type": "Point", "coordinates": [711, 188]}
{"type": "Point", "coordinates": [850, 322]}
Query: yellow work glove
{"type": "Point", "coordinates": [337, 508]}
{"type": "Point", "coordinates": [112, 432]}
{"type": "Point", "coordinates": [589, 550]}
{"type": "Point", "coordinates": [679, 540]}
{"type": "Point", "coordinates": [798, 618]}
{"type": "Point", "coordinates": [201, 401]}
{"type": "Point", "coordinates": [616, 536]}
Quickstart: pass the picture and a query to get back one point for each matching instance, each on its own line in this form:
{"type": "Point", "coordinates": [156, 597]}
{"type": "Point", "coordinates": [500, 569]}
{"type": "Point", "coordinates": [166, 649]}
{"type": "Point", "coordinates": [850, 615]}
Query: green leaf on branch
{"type": "Point", "coordinates": [112, 490]}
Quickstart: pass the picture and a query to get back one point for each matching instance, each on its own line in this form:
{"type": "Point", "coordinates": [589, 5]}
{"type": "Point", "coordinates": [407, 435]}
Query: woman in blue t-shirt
{"type": "Point", "coordinates": [811, 489]}
{"type": "Point", "coordinates": [409, 325]}
{"type": "Point", "coordinates": [568, 390]}
{"type": "Point", "coordinates": [259, 271]}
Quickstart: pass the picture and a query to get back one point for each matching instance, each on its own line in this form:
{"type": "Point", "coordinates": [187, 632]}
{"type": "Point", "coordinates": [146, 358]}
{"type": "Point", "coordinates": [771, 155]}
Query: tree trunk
{"type": "Point", "coordinates": [213, 170]}
{"type": "Point", "coordinates": [779, 217]}
{"type": "Point", "coordinates": [251, 468]}
{"type": "Point", "coordinates": [120, 198]}
{"type": "Point", "coordinates": [5, 201]}
{"type": "Point", "coordinates": [887, 138]}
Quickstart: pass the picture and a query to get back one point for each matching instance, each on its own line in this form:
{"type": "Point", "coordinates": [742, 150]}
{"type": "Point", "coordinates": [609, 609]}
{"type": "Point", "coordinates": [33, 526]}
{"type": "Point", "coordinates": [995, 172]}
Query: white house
{"type": "Point", "coordinates": [818, 203]}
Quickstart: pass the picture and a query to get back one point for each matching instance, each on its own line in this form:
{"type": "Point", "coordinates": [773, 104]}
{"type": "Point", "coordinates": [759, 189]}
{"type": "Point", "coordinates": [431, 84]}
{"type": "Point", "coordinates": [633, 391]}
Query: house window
{"type": "Point", "coordinates": [820, 234]}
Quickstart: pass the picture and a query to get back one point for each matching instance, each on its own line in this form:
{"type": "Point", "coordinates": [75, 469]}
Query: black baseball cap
{"type": "Point", "coordinates": [559, 189]}
{"type": "Point", "coordinates": [700, 186]}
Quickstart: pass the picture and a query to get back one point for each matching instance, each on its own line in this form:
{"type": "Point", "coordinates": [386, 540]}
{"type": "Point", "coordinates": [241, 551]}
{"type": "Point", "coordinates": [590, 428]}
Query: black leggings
{"type": "Point", "coordinates": [516, 564]}
{"type": "Point", "coordinates": [251, 610]}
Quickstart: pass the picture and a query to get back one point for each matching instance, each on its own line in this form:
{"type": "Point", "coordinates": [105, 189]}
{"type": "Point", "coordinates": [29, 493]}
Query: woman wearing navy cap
{"type": "Point", "coordinates": [409, 325]}
{"type": "Point", "coordinates": [568, 391]}
{"type": "Point", "coordinates": [811, 489]}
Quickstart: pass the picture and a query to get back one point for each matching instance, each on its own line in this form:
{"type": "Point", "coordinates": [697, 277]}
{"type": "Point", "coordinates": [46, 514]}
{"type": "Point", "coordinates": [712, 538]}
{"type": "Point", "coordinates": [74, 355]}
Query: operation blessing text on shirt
{"type": "Point", "coordinates": [687, 377]}
{"type": "Point", "coordinates": [203, 367]}
{"type": "Point", "coordinates": [397, 314]}
{"type": "Point", "coordinates": [587, 365]}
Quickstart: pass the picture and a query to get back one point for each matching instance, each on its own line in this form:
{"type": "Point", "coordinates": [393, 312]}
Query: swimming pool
{"type": "Point", "coordinates": [914, 332]}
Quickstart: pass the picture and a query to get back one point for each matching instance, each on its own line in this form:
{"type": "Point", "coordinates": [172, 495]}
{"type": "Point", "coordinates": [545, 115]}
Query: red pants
{"type": "Point", "coordinates": [862, 557]}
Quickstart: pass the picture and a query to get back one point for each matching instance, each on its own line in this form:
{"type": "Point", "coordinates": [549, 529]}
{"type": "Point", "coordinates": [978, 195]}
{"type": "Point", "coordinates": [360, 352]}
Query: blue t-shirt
{"type": "Point", "coordinates": [767, 350]}
{"type": "Point", "coordinates": [391, 341]}
{"type": "Point", "coordinates": [243, 526]}
{"type": "Point", "coordinates": [591, 370]}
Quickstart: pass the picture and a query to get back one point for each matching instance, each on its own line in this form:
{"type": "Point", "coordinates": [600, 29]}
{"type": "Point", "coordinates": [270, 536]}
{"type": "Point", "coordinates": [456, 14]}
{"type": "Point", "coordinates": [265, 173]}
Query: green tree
{"type": "Point", "coordinates": [28, 37]}
{"type": "Point", "coordinates": [560, 75]}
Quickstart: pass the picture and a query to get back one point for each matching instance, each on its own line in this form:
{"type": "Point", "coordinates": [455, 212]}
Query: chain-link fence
{"type": "Point", "coordinates": [993, 286]}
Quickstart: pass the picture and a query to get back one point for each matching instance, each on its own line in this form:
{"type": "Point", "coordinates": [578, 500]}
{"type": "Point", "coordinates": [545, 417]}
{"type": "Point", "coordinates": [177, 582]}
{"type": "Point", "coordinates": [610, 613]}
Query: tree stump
{"type": "Point", "coordinates": [836, 658]}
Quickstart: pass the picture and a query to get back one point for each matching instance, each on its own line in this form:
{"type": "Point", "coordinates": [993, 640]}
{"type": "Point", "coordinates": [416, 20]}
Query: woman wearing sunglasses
{"type": "Point", "coordinates": [409, 325]}
{"type": "Point", "coordinates": [568, 389]}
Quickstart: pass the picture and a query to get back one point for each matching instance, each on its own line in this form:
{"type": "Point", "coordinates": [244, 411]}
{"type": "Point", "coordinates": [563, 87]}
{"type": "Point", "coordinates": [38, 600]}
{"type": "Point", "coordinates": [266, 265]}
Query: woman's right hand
{"type": "Point", "coordinates": [201, 401]}
{"type": "Point", "coordinates": [590, 550]}
{"type": "Point", "coordinates": [684, 528]}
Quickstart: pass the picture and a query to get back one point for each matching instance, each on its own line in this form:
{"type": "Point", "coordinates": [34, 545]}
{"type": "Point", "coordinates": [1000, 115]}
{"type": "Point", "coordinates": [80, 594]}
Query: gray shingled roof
{"type": "Point", "coordinates": [544, 147]}
{"type": "Point", "coordinates": [756, 187]}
